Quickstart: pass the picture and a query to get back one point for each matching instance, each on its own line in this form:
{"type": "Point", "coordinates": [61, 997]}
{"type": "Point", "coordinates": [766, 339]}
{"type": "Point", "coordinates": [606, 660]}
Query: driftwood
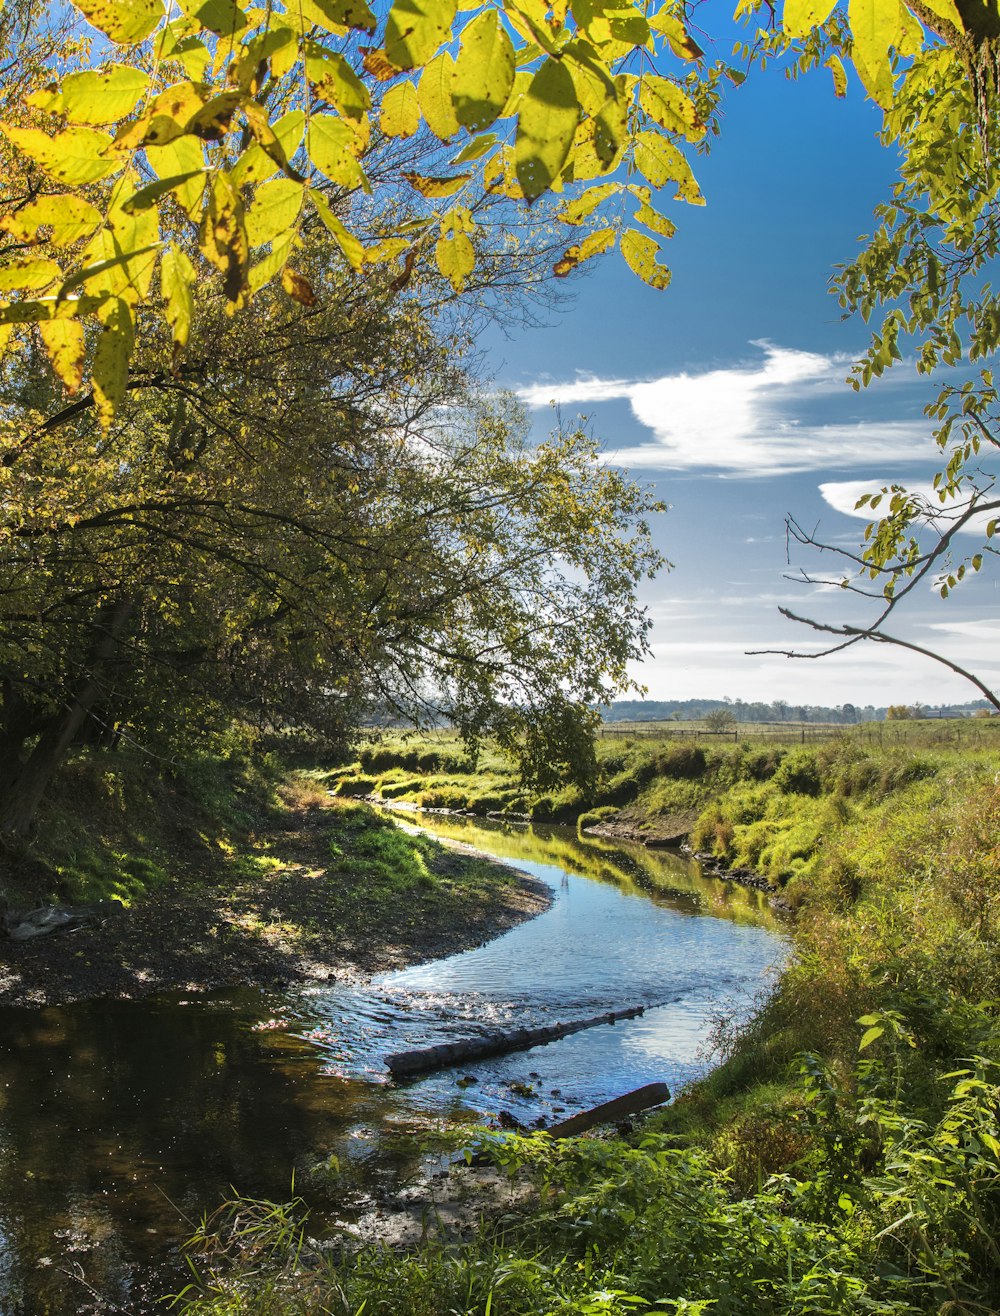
{"type": "Point", "coordinates": [495, 1044]}
{"type": "Point", "coordinates": [653, 1094]}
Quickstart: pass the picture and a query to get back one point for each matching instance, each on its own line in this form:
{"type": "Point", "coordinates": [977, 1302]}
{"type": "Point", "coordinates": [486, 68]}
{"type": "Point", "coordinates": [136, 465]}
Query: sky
{"type": "Point", "coordinates": [726, 394]}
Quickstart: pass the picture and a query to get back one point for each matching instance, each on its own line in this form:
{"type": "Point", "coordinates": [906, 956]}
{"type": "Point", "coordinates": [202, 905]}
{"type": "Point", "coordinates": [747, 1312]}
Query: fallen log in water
{"type": "Point", "coordinates": [495, 1044]}
{"type": "Point", "coordinates": [653, 1094]}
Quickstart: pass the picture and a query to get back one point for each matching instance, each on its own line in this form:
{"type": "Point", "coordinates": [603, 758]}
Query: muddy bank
{"type": "Point", "coordinates": [307, 920]}
{"type": "Point", "coordinates": [666, 831]}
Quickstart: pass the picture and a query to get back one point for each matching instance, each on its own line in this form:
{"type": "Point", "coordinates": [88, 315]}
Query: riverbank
{"type": "Point", "coordinates": [845, 1154]}
{"type": "Point", "coordinates": [305, 890]}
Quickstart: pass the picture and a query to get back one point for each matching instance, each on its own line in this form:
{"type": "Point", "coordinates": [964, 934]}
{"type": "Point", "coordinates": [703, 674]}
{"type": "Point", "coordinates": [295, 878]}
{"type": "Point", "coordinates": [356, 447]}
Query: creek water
{"type": "Point", "coordinates": [121, 1123]}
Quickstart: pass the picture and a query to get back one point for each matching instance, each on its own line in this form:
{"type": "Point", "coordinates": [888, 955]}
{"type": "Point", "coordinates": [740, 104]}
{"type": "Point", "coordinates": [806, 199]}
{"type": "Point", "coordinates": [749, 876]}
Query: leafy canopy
{"type": "Point", "coordinates": [213, 140]}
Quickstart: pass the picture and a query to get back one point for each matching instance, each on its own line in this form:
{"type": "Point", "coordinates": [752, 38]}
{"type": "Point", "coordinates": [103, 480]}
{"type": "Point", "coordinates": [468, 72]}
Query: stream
{"type": "Point", "coordinates": [122, 1122]}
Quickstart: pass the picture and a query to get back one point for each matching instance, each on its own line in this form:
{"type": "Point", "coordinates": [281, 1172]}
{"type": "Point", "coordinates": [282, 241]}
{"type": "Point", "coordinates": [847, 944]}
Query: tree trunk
{"type": "Point", "coordinates": [29, 784]}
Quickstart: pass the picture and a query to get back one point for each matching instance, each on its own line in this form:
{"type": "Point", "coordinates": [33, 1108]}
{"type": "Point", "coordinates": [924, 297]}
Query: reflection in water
{"type": "Point", "coordinates": [121, 1122]}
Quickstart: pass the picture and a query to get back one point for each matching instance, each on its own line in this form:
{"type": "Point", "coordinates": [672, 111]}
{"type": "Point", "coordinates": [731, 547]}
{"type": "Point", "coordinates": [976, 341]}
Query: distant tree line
{"type": "Point", "coordinates": [779, 710]}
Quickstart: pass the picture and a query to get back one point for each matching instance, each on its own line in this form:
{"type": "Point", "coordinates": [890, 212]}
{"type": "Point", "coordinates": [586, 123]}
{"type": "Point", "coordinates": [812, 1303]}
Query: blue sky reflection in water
{"type": "Point", "coordinates": [598, 948]}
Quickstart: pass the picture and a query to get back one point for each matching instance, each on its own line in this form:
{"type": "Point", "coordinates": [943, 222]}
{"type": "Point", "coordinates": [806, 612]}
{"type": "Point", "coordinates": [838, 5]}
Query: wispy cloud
{"type": "Point", "coordinates": [745, 419]}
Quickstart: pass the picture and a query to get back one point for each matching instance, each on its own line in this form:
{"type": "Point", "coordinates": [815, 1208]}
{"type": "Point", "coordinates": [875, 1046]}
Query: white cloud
{"type": "Point", "coordinates": [843, 495]}
{"type": "Point", "coordinates": [742, 419]}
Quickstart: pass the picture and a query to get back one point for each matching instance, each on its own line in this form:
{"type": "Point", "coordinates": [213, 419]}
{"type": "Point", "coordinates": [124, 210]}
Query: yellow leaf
{"type": "Point", "coordinates": [275, 210]}
{"type": "Point", "coordinates": [222, 17]}
{"type": "Point", "coordinates": [654, 220]}
{"type": "Point", "coordinates": [163, 120]}
{"type": "Point", "coordinates": [681, 42]}
{"type": "Point", "coordinates": [331, 145]}
{"type": "Point", "coordinates": [182, 157]}
{"type": "Point", "coordinates": [640, 252]}
{"type": "Point", "coordinates": [264, 271]}
{"type": "Point", "coordinates": [335, 81]}
{"type": "Point", "coordinates": [545, 127]}
{"type": "Point", "coordinates": [126, 22]}
{"type": "Point", "coordinates": [177, 279]}
{"type": "Point", "coordinates": [60, 219]}
{"type": "Point", "coordinates": [434, 94]}
{"type": "Point", "coordinates": [579, 209]}
{"type": "Point", "coordinates": [594, 244]}
{"type": "Point", "coordinates": [456, 257]}
{"type": "Point", "coordinates": [351, 247]}
{"type": "Point", "coordinates": [946, 10]}
{"type": "Point", "coordinates": [436, 187]}
{"type": "Point", "coordinates": [399, 115]}
{"type": "Point", "coordinates": [416, 29]}
{"type": "Point", "coordinates": [336, 16]}
{"type": "Point", "coordinates": [298, 287]}
{"type": "Point", "coordinates": [29, 275]}
{"type": "Point", "coordinates": [670, 107]}
{"type": "Point", "coordinates": [836, 67]}
{"type": "Point", "coordinates": [255, 163]}
{"type": "Point", "coordinates": [874, 24]}
{"type": "Point", "coordinates": [801, 16]}
{"type": "Point", "coordinates": [66, 347]}
{"type": "Point", "coordinates": [659, 161]}
{"type": "Point", "coordinates": [75, 156]}
{"type": "Point", "coordinates": [484, 72]}
{"type": "Point", "coordinates": [94, 97]}
{"type": "Point", "coordinates": [111, 358]}
{"type": "Point", "coordinates": [224, 240]}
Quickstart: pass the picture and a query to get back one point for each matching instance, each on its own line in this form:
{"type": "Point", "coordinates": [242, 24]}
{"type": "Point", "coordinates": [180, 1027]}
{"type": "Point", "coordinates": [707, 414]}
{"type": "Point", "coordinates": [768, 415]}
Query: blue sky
{"type": "Point", "coordinates": [726, 393]}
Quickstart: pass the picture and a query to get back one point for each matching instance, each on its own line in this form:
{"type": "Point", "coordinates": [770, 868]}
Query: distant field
{"type": "Point", "coordinates": [972, 731]}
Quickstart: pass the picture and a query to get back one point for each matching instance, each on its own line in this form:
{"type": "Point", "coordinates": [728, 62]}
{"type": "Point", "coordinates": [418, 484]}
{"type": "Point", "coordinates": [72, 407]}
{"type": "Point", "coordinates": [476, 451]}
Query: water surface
{"type": "Point", "coordinates": [122, 1122]}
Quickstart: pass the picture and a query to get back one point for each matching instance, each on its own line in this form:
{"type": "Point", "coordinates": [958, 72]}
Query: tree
{"type": "Point", "coordinates": [315, 517]}
{"type": "Point", "coordinates": [720, 719]}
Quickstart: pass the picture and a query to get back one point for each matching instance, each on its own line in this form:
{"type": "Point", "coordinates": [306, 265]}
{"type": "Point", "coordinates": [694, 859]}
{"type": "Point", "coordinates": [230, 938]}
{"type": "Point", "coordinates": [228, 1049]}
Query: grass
{"type": "Point", "coordinates": [845, 1154]}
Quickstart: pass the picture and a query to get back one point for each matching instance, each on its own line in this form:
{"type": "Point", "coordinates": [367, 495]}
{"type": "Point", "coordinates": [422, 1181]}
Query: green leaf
{"type": "Point", "coordinates": [177, 280]}
{"type": "Point", "coordinates": [545, 128]}
{"type": "Point", "coordinates": [801, 16]}
{"type": "Point", "coordinates": [330, 145]}
{"type": "Point", "coordinates": [416, 29]}
{"type": "Point", "coordinates": [434, 94]}
{"type": "Point", "coordinates": [125, 22]}
{"type": "Point", "coordinates": [94, 98]}
{"type": "Point", "coordinates": [64, 218]}
{"type": "Point", "coordinates": [484, 72]}
{"type": "Point", "coordinates": [66, 347]}
{"type": "Point", "coordinates": [870, 1035]}
{"type": "Point", "coordinates": [670, 107]}
{"type": "Point", "coordinates": [273, 263]}
{"type": "Point", "coordinates": [640, 252]}
{"type": "Point", "coordinates": [399, 115]}
{"type": "Point", "coordinates": [75, 156]}
{"type": "Point", "coordinates": [275, 209]}
{"type": "Point", "coordinates": [29, 275]}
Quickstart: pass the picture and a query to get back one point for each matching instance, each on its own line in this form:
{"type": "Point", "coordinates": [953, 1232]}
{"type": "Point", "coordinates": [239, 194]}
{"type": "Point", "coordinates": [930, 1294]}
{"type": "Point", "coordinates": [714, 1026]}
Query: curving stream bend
{"type": "Point", "coordinates": [122, 1122]}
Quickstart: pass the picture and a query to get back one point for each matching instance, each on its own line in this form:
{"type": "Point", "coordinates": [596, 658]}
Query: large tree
{"type": "Point", "coordinates": [315, 516]}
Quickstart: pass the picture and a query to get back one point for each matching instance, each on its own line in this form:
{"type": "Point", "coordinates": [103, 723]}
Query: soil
{"type": "Point", "coordinates": [299, 923]}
